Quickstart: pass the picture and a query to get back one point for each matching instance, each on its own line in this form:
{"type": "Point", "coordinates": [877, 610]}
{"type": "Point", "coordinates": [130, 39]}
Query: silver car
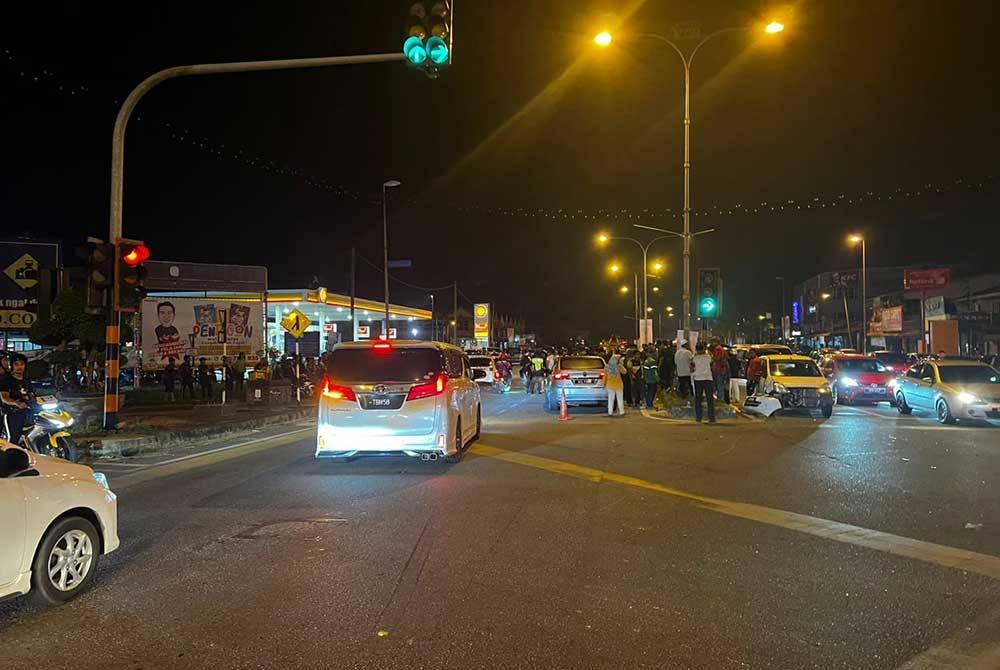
{"type": "Point", "coordinates": [953, 389]}
{"type": "Point", "coordinates": [581, 378]}
{"type": "Point", "coordinates": [398, 397]}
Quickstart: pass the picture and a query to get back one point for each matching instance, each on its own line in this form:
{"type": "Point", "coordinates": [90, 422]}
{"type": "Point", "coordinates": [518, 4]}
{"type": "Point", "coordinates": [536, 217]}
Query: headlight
{"type": "Point", "coordinates": [50, 405]}
{"type": "Point", "coordinates": [969, 399]}
{"type": "Point", "coordinates": [102, 479]}
{"type": "Point", "coordinates": [849, 382]}
{"type": "Point", "coordinates": [780, 388]}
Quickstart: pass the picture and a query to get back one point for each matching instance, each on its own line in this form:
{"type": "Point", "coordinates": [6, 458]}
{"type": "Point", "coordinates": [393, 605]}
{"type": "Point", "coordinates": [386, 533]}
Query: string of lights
{"type": "Point", "coordinates": [48, 79]}
{"type": "Point", "coordinates": [984, 184]}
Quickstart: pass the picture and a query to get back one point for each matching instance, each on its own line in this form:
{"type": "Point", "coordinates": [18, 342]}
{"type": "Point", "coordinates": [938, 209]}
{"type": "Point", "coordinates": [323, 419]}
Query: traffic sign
{"type": "Point", "coordinates": [295, 322]}
{"type": "Point", "coordinates": [23, 271]}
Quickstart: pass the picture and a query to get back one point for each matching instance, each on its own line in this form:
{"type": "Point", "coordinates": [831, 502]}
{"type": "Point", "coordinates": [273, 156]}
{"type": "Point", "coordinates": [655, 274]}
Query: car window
{"type": "Point", "coordinates": [367, 364]}
{"type": "Point", "coordinates": [926, 371]}
{"type": "Point", "coordinates": [968, 374]}
{"type": "Point", "coordinates": [454, 362]}
{"type": "Point", "coordinates": [914, 372]}
{"type": "Point", "coordinates": [480, 361]}
{"type": "Point", "coordinates": [860, 365]}
{"type": "Point", "coordinates": [794, 369]}
{"type": "Point", "coordinates": [581, 363]}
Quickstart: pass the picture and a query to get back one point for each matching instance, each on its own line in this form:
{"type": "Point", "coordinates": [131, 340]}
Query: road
{"type": "Point", "coordinates": [593, 543]}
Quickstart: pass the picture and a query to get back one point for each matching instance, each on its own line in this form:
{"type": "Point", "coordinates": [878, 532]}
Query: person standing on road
{"type": "Point", "coordinates": [682, 361]}
{"type": "Point", "coordinates": [720, 372]}
{"type": "Point", "coordinates": [186, 375]}
{"type": "Point", "coordinates": [206, 376]}
{"type": "Point", "coordinates": [753, 373]}
{"type": "Point", "coordinates": [239, 372]}
{"type": "Point", "coordinates": [635, 379]}
{"type": "Point", "coordinates": [651, 376]}
{"type": "Point", "coordinates": [169, 379]}
{"type": "Point", "coordinates": [667, 368]}
{"type": "Point", "coordinates": [613, 382]}
{"type": "Point", "coordinates": [703, 383]}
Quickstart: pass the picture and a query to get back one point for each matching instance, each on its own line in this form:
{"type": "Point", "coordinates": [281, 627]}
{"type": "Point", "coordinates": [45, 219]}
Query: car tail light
{"type": "Point", "coordinates": [496, 375]}
{"type": "Point", "coordinates": [562, 374]}
{"type": "Point", "coordinates": [428, 389]}
{"type": "Point", "coordinates": [382, 347]}
{"type": "Point", "coordinates": [337, 392]}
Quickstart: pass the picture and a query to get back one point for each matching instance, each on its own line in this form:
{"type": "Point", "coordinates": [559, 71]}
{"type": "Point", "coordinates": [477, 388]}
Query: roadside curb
{"type": "Point", "coordinates": [121, 447]}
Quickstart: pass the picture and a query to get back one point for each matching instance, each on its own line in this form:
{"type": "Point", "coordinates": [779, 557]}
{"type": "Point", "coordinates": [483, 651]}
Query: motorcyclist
{"type": "Point", "coordinates": [17, 395]}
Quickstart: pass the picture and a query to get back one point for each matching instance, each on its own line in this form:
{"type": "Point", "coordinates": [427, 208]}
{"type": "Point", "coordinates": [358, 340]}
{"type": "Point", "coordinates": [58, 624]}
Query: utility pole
{"type": "Point", "coordinates": [354, 328]}
{"type": "Point", "coordinates": [454, 312]}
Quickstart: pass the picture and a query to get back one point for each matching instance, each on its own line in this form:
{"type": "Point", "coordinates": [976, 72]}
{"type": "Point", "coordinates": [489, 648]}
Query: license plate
{"type": "Point", "coordinates": [876, 389]}
{"type": "Point", "coordinates": [377, 401]}
{"type": "Point", "coordinates": [584, 381]}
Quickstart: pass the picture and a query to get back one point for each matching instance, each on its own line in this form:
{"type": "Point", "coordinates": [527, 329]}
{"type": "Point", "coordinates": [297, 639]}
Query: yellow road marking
{"type": "Point", "coordinates": [198, 461]}
{"type": "Point", "coordinates": [928, 552]}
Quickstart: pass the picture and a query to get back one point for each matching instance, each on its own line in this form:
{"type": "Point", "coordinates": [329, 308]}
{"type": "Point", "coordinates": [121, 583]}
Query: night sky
{"type": "Point", "coordinates": [877, 97]}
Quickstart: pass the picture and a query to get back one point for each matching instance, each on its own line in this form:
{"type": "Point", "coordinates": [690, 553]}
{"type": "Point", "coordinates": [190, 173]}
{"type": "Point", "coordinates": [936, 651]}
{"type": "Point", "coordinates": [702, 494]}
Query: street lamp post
{"type": "Point", "coordinates": [782, 310]}
{"type": "Point", "coordinates": [644, 248]}
{"type": "Point", "coordinates": [118, 172]}
{"type": "Point", "coordinates": [859, 239]}
{"type": "Point", "coordinates": [392, 183]}
{"type": "Point", "coordinates": [604, 39]}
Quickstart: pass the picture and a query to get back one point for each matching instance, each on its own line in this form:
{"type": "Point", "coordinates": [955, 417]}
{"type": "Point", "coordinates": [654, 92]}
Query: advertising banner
{"type": "Point", "coordinates": [178, 327]}
{"type": "Point", "coordinates": [892, 319]}
{"type": "Point", "coordinates": [21, 264]}
{"type": "Point", "coordinates": [925, 279]}
{"type": "Point", "coordinates": [481, 321]}
{"type": "Point", "coordinates": [934, 308]}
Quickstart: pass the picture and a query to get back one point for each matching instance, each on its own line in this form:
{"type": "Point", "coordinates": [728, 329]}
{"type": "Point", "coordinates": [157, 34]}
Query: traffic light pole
{"type": "Point", "coordinates": [118, 172]}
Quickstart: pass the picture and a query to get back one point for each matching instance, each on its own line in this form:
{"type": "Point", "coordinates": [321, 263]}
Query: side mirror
{"type": "Point", "coordinates": [479, 374]}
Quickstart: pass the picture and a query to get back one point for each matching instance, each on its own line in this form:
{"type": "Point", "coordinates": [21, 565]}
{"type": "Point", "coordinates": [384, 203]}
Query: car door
{"type": "Point", "coordinates": [13, 507]}
{"type": "Point", "coordinates": [920, 387]}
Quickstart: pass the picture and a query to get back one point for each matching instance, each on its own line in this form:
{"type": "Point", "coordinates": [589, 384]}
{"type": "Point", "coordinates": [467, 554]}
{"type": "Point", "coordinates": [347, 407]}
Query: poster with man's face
{"type": "Point", "coordinates": [178, 327]}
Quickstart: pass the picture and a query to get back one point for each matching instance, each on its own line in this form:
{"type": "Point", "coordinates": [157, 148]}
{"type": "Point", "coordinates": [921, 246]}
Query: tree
{"type": "Point", "coordinates": [69, 321]}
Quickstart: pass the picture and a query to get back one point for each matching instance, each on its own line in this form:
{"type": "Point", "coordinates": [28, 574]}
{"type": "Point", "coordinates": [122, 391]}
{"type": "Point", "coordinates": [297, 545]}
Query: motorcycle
{"type": "Point", "coordinates": [46, 434]}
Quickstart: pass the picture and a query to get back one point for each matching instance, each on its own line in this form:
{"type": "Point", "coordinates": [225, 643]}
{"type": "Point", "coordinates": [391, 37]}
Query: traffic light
{"type": "Point", "coordinates": [131, 255]}
{"type": "Point", "coordinates": [709, 298]}
{"type": "Point", "coordinates": [428, 36]}
{"type": "Point", "coordinates": [100, 273]}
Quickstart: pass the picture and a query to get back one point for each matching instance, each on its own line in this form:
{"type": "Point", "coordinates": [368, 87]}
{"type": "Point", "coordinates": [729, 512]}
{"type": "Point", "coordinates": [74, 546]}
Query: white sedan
{"type": "Point", "coordinates": [58, 519]}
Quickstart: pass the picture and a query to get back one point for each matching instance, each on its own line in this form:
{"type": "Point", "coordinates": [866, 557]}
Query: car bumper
{"type": "Point", "coordinates": [865, 394]}
{"type": "Point", "coordinates": [333, 443]}
{"type": "Point", "coordinates": [576, 395]}
{"type": "Point", "coordinates": [988, 413]}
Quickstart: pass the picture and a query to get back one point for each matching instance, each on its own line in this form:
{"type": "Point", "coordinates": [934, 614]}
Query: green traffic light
{"type": "Point", "coordinates": [415, 51]}
{"type": "Point", "coordinates": [437, 48]}
{"type": "Point", "coordinates": [708, 306]}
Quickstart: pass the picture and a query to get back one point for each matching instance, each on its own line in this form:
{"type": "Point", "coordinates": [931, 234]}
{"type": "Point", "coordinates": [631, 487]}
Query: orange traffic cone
{"type": "Point", "coordinates": [563, 407]}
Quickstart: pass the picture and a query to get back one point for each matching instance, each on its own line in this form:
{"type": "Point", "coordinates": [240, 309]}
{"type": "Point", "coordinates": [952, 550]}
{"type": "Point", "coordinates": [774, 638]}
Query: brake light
{"type": "Point", "coordinates": [562, 374]}
{"type": "Point", "coordinates": [496, 375]}
{"type": "Point", "coordinates": [428, 389]}
{"type": "Point", "coordinates": [337, 392]}
{"type": "Point", "coordinates": [382, 347]}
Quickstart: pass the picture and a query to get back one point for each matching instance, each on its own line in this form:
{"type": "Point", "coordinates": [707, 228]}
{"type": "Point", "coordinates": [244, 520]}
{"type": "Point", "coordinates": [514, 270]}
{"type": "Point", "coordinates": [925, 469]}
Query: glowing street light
{"type": "Point", "coordinates": [656, 289]}
{"type": "Point", "coordinates": [602, 238]}
{"type": "Point", "coordinates": [773, 27]}
{"type": "Point", "coordinates": [825, 296]}
{"type": "Point", "coordinates": [624, 289]}
{"type": "Point", "coordinates": [856, 239]}
{"type": "Point", "coordinates": [658, 265]}
{"type": "Point", "coordinates": [614, 268]}
{"type": "Point", "coordinates": [603, 39]}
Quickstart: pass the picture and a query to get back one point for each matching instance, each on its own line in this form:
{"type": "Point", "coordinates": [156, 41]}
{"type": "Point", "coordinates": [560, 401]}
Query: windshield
{"type": "Point", "coordinates": [772, 351]}
{"type": "Point", "coordinates": [860, 365]}
{"type": "Point", "coordinates": [968, 374]}
{"type": "Point", "coordinates": [480, 361]}
{"type": "Point", "coordinates": [581, 363]}
{"type": "Point", "coordinates": [398, 365]}
{"type": "Point", "coordinates": [794, 369]}
{"type": "Point", "coordinates": [891, 357]}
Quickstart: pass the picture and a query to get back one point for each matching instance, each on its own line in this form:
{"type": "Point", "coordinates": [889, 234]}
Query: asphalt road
{"type": "Point", "coordinates": [593, 543]}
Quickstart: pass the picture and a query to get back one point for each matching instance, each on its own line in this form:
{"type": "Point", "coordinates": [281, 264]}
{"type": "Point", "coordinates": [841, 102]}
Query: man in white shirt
{"type": "Point", "coordinates": [703, 384]}
{"type": "Point", "coordinates": [682, 359]}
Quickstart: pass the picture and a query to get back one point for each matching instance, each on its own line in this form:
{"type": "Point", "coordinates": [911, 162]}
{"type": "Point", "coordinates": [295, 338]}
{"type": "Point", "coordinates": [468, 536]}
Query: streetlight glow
{"type": "Point", "coordinates": [624, 289]}
{"type": "Point", "coordinates": [658, 265]}
{"type": "Point", "coordinates": [602, 238]}
{"type": "Point", "coordinates": [614, 267]}
{"type": "Point", "coordinates": [855, 238]}
{"type": "Point", "coordinates": [603, 39]}
{"type": "Point", "coordinates": [774, 27]}
{"type": "Point", "coordinates": [656, 289]}
{"type": "Point", "coordinates": [825, 296]}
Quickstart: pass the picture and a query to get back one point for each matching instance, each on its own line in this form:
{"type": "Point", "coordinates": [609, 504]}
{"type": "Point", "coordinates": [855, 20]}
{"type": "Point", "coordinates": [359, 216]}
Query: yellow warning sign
{"type": "Point", "coordinates": [23, 271]}
{"type": "Point", "coordinates": [295, 322]}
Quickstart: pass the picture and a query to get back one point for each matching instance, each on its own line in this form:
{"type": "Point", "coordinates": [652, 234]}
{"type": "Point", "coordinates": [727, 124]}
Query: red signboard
{"type": "Point", "coordinates": [925, 279]}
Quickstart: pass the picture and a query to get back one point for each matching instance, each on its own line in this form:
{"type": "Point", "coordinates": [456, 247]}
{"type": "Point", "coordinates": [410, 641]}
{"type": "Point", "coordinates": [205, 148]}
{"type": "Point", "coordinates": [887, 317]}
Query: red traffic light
{"type": "Point", "coordinates": [137, 255]}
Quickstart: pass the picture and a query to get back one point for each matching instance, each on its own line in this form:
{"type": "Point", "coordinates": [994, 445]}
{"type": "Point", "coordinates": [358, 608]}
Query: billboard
{"type": "Point", "coordinates": [178, 327]}
{"type": "Point", "coordinates": [481, 321]}
{"type": "Point", "coordinates": [925, 279]}
{"type": "Point", "coordinates": [892, 319]}
{"type": "Point", "coordinates": [21, 264]}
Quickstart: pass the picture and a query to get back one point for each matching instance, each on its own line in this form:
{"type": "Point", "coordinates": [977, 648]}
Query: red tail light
{"type": "Point", "coordinates": [428, 389]}
{"type": "Point", "coordinates": [496, 375]}
{"type": "Point", "coordinates": [382, 347]}
{"type": "Point", "coordinates": [337, 392]}
{"type": "Point", "coordinates": [562, 374]}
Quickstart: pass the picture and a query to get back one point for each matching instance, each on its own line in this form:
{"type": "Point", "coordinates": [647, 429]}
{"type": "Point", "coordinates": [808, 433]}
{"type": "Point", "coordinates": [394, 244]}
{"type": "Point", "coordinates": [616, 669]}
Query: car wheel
{"type": "Point", "coordinates": [457, 456]}
{"type": "Point", "coordinates": [66, 561]}
{"type": "Point", "coordinates": [944, 412]}
{"type": "Point", "coordinates": [827, 411]}
{"type": "Point", "coordinates": [479, 422]}
{"type": "Point", "coordinates": [901, 405]}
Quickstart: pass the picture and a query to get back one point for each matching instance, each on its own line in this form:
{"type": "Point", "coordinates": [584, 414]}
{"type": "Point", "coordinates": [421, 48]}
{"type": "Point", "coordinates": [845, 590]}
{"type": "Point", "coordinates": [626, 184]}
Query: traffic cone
{"type": "Point", "coordinates": [563, 407]}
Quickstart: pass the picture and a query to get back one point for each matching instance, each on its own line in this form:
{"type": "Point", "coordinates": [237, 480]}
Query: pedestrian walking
{"type": "Point", "coordinates": [651, 376]}
{"type": "Point", "coordinates": [682, 362]}
{"type": "Point", "coordinates": [170, 379]}
{"type": "Point", "coordinates": [615, 385]}
{"type": "Point", "coordinates": [703, 382]}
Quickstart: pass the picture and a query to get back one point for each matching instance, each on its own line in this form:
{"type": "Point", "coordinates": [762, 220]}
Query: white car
{"type": "Point", "coordinates": [488, 365]}
{"type": "Point", "coordinates": [407, 397]}
{"type": "Point", "coordinates": [59, 518]}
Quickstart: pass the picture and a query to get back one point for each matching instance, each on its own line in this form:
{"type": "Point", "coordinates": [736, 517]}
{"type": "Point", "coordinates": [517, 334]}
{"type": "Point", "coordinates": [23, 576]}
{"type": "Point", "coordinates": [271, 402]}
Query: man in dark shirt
{"type": "Point", "coordinates": [18, 397]}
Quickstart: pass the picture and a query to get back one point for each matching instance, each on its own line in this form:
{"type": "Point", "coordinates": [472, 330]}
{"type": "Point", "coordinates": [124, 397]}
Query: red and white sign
{"type": "Point", "coordinates": [392, 333]}
{"type": "Point", "coordinates": [924, 279]}
{"type": "Point", "coordinates": [364, 332]}
{"type": "Point", "coordinates": [892, 319]}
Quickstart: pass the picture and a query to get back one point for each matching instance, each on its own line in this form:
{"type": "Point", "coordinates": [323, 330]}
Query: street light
{"type": "Point", "coordinates": [604, 39]}
{"type": "Point", "coordinates": [392, 183]}
{"type": "Point", "coordinates": [856, 239]}
{"type": "Point", "coordinates": [604, 238]}
{"type": "Point", "coordinates": [614, 268]}
{"type": "Point", "coordinates": [623, 289]}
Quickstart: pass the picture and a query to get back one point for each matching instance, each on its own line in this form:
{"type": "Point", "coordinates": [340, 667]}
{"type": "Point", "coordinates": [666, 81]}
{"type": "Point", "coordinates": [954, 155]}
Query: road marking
{"type": "Point", "coordinates": [928, 552]}
{"type": "Point", "coordinates": [201, 459]}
